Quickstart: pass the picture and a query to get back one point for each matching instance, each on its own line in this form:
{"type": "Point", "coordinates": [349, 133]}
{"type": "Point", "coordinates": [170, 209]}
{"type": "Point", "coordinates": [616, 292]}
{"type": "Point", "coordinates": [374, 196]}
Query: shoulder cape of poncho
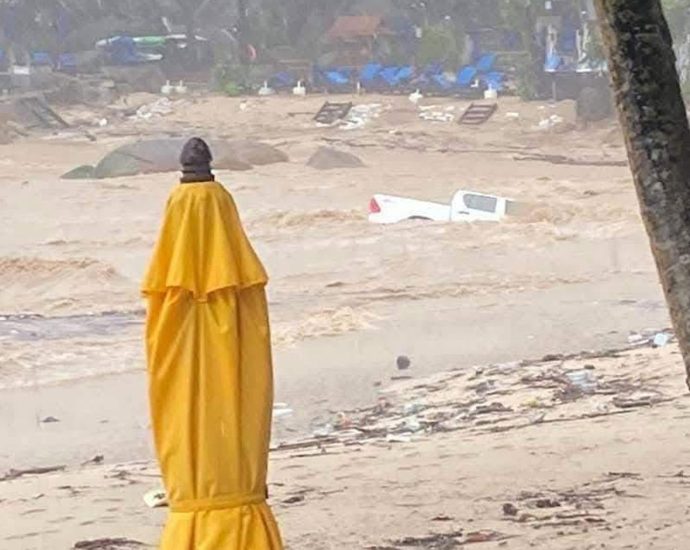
{"type": "Point", "coordinates": [202, 247]}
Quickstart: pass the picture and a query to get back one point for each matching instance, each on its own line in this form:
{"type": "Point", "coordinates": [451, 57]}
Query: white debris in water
{"type": "Point", "coordinates": [551, 122]}
{"type": "Point", "coordinates": [158, 108]}
{"type": "Point", "coordinates": [360, 115]}
{"type": "Point", "coordinates": [437, 113]}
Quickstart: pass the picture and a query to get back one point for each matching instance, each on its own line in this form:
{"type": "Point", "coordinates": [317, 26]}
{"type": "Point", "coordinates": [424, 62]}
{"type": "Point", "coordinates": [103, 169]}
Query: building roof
{"type": "Point", "coordinates": [348, 27]}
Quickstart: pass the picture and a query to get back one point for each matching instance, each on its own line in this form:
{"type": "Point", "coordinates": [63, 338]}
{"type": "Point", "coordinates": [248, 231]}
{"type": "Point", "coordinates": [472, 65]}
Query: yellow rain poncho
{"type": "Point", "coordinates": [210, 374]}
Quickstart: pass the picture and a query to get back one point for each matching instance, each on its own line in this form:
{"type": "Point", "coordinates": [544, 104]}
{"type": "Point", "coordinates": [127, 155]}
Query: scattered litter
{"type": "Point", "coordinates": [551, 122]}
{"type": "Point", "coordinates": [661, 339]}
{"type": "Point", "coordinates": [413, 408]}
{"type": "Point", "coordinates": [568, 161]}
{"type": "Point", "coordinates": [635, 400]}
{"type": "Point", "coordinates": [360, 115]}
{"type": "Point", "coordinates": [512, 115]}
{"type": "Point", "coordinates": [160, 107]}
{"type": "Point", "coordinates": [295, 499]}
{"type": "Point", "coordinates": [94, 461]}
{"type": "Point", "coordinates": [583, 379]}
{"type": "Point", "coordinates": [437, 116]}
{"type": "Point", "coordinates": [650, 337]}
{"type": "Point", "coordinates": [447, 540]}
{"type": "Point", "coordinates": [391, 438]}
{"type": "Point", "coordinates": [324, 431]}
{"type": "Point", "coordinates": [343, 421]}
{"type": "Point", "coordinates": [330, 113]}
{"type": "Point", "coordinates": [538, 418]}
{"type": "Point", "coordinates": [623, 475]}
{"type": "Point", "coordinates": [637, 339]}
{"type": "Point", "coordinates": [469, 402]}
{"type": "Point", "coordinates": [547, 503]}
{"type": "Point", "coordinates": [444, 541]}
{"type": "Point", "coordinates": [491, 408]}
{"type": "Point", "coordinates": [412, 425]}
{"type": "Point", "coordinates": [281, 410]}
{"type": "Point", "coordinates": [483, 536]}
{"type": "Point", "coordinates": [50, 420]}
{"type": "Point", "coordinates": [156, 498]}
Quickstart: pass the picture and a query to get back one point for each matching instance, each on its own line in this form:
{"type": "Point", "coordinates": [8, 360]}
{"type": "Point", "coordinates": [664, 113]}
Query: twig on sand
{"type": "Point", "coordinates": [108, 544]}
{"type": "Point", "coordinates": [563, 160]}
{"type": "Point", "coordinates": [16, 474]}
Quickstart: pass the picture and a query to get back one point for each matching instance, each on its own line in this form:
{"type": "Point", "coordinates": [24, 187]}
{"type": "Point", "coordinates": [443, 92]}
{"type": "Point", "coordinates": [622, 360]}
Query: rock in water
{"type": "Point", "coordinates": [326, 158]}
{"type": "Point", "coordinates": [162, 155]}
{"type": "Point", "coordinates": [254, 153]}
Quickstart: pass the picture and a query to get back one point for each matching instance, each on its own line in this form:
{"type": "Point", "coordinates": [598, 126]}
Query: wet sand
{"type": "Point", "coordinates": [585, 474]}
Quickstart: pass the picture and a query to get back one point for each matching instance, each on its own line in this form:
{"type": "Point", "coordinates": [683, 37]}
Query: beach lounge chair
{"type": "Point", "coordinates": [466, 77]}
{"type": "Point", "coordinates": [369, 73]}
{"type": "Point", "coordinates": [333, 79]}
{"type": "Point", "coordinates": [41, 59]}
{"type": "Point", "coordinates": [68, 63]}
{"type": "Point", "coordinates": [388, 76]}
{"type": "Point", "coordinates": [493, 80]}
{"type": "Point", "coordinates": [553, 62]}
{"type": "Point", "coordinates": [485, 63]}
{"type": "Point", "coordinates": [404, 76]}
{"type": "Point", "coordinates": [282, 81]}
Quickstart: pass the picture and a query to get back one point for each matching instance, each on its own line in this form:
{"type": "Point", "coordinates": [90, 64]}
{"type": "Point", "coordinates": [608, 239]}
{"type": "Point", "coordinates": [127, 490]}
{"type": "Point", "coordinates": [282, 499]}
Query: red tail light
{"type": "Point", "coordinates": [374, 207]}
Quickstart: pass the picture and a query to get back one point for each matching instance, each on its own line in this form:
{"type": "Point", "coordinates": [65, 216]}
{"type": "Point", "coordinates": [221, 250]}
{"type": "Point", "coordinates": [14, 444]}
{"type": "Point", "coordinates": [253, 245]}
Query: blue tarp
{"type": "Point", "coordinates": [466, 76]}
{"type": "Point", "coordinates": [485, 63]}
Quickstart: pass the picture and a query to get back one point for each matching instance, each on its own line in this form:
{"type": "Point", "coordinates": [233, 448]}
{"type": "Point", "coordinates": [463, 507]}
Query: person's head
{"type": "Point", "coordinates": [196, 161]}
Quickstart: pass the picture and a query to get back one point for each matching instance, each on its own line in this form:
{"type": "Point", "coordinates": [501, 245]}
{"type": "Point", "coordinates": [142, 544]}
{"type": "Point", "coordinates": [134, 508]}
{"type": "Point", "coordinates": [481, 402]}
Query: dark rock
{"type": "Point", "coordinates": [510, 510]}
{"type": "Point", "coordinates": [326, 158]}
{"type": "Point", "coordinates": [403, 362]}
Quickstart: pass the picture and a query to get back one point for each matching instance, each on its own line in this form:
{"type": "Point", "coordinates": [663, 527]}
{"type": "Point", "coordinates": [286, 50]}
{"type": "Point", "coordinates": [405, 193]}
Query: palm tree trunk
{"type": "Point", "coordinates": [652, 113]}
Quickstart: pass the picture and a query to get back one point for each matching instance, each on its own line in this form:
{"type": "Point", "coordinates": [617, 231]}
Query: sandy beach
{"type": "Point", "coordinates": [573, 272]}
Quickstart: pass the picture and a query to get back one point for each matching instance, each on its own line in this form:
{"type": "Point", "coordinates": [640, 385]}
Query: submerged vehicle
{"type": "Point", "coordinates": [466, 206]}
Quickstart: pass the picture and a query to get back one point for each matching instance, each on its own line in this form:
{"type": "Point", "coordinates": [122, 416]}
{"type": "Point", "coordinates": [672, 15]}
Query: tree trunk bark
{"type": "Point", "coordinates": [652, 114]}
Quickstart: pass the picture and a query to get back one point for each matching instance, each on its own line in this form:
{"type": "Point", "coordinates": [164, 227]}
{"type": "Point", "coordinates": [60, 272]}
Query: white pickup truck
{"type": "Point", "coordinates": [466, 206]}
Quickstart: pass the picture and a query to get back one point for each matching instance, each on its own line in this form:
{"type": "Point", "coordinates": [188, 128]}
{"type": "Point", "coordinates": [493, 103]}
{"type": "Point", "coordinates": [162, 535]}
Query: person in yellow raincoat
{"type": "Point", "coordinates": [210, 371]}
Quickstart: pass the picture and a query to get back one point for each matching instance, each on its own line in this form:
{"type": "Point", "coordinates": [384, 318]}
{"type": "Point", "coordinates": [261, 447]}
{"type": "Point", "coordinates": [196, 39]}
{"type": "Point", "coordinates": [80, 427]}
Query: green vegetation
{"type": "Point", "coordinates": [440, 43]}
{"type": "Point", "coordinates": [293, 29]}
